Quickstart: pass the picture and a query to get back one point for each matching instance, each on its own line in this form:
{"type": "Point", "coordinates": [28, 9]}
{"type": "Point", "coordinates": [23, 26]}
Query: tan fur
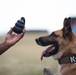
{"type": "Point", "coordinates": [66, 48]}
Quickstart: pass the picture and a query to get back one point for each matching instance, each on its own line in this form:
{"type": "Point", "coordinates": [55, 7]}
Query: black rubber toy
{"type": "Point", "coordinates": [19, 25]}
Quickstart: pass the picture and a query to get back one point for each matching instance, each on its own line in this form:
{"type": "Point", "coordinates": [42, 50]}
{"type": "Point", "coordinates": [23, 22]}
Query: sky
{"type": "Point", "coordinates": [39, 14]}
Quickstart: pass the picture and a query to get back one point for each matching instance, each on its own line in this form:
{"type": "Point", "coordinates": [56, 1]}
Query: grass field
{"type": "Point", "coordinates": [24, 58]}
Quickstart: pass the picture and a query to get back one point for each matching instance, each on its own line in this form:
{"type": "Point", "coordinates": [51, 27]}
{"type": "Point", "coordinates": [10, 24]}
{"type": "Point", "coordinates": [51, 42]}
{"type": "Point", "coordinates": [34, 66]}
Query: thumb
{"type": "Point", "coordinates": [10, 31]}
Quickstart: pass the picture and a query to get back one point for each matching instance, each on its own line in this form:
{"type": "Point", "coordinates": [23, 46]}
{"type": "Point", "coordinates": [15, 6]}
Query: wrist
{"type": "Point", "coordinates": [6, 45]}
{"type": "Point", "coordinates": [3, 47]}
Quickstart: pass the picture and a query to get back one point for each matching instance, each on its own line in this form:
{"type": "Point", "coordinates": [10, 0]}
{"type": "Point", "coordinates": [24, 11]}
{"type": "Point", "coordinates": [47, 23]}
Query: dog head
{"type": "Point", "coordinates": [57, 41]}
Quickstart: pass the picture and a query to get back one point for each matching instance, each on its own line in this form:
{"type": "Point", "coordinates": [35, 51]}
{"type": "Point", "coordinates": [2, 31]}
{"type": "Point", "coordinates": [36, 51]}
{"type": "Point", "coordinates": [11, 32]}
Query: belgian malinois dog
{"type": "Point", "coordinates": [62, 47]}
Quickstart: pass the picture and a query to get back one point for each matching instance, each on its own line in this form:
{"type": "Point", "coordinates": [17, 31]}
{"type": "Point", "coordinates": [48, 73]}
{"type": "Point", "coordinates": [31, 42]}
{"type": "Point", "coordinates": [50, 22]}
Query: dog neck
{"type": "Point", "coordinates": [67, 59]}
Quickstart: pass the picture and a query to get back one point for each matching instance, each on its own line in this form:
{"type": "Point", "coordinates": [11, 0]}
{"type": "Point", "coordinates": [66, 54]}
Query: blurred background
{"type": "Point", "coordinates": [42, 17]}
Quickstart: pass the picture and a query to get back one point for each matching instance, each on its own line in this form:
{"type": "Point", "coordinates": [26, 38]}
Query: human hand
{"type": "Point", "coordinates": [12, 38]}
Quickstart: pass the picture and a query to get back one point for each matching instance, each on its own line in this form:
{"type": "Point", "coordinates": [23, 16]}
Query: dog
{"type": "Point", "coordinates": [62, 47]}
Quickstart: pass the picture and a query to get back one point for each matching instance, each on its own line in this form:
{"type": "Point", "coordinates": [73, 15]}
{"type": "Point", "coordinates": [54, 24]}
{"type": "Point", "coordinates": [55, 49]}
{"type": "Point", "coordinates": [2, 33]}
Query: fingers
{"type": "Point", "coordinates": [23, 33]}
{"type": "Point", "coordinates": [24, 30]}
{"type": "Point", "coordinates": [19, 36]}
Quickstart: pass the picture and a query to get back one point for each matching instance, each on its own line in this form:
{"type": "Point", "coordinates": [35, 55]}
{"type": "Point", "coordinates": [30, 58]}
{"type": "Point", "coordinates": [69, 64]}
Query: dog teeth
{"type": "Point", "coordinates": [51, 49]}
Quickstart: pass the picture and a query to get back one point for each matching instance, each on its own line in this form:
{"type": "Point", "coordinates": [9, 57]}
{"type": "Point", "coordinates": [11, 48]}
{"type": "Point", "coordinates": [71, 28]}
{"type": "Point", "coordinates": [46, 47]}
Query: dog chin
{"type": "Point", "coordinates": [57, 56]}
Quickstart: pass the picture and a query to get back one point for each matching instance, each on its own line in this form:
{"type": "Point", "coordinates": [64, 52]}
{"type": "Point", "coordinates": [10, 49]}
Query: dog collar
{"type": "Point", "coordinates": [67, 59]}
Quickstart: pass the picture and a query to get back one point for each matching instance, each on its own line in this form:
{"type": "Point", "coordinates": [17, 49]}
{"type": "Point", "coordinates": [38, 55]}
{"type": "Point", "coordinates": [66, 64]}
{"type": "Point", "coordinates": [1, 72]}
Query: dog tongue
{"type": "Point", "coordinates": [47, 50]}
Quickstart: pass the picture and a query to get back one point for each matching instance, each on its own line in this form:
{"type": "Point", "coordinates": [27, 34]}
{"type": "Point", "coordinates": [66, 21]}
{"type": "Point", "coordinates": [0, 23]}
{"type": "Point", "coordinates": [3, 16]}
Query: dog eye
{"type": "Point", "coordinates": [53, 34]}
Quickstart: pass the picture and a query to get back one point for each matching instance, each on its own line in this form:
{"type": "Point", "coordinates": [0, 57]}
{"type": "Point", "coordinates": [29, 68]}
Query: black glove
{"type": "Point", "coordinates": [19, 25]}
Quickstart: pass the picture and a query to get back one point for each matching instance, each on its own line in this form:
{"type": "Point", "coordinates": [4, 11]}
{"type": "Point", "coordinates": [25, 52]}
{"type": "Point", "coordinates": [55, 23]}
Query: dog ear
{"type": "Point", "coordinates": [67, 31]}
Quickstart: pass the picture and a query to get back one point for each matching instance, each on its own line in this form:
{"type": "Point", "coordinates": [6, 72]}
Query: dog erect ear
{"type": "Point", "coordinates": [67, 31]}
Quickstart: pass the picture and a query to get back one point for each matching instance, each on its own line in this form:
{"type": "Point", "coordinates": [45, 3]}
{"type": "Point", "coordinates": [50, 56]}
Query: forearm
{"type": "Point", "coordinates": [3, 47]}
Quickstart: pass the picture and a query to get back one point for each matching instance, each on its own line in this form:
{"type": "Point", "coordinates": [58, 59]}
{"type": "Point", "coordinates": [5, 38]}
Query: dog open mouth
{"type": "Point", "coordinates": [51, 50]}
{"type": "Point", "coordinates": [46, 53]}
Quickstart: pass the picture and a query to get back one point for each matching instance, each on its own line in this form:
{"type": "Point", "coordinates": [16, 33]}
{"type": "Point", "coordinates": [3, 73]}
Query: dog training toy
{"type": "Point", "coordinates": [19, 25]}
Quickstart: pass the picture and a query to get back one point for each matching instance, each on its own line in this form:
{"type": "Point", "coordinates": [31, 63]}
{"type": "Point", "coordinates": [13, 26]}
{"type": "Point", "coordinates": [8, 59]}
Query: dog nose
{"type": "Point", "coordinates": [37, 40]}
